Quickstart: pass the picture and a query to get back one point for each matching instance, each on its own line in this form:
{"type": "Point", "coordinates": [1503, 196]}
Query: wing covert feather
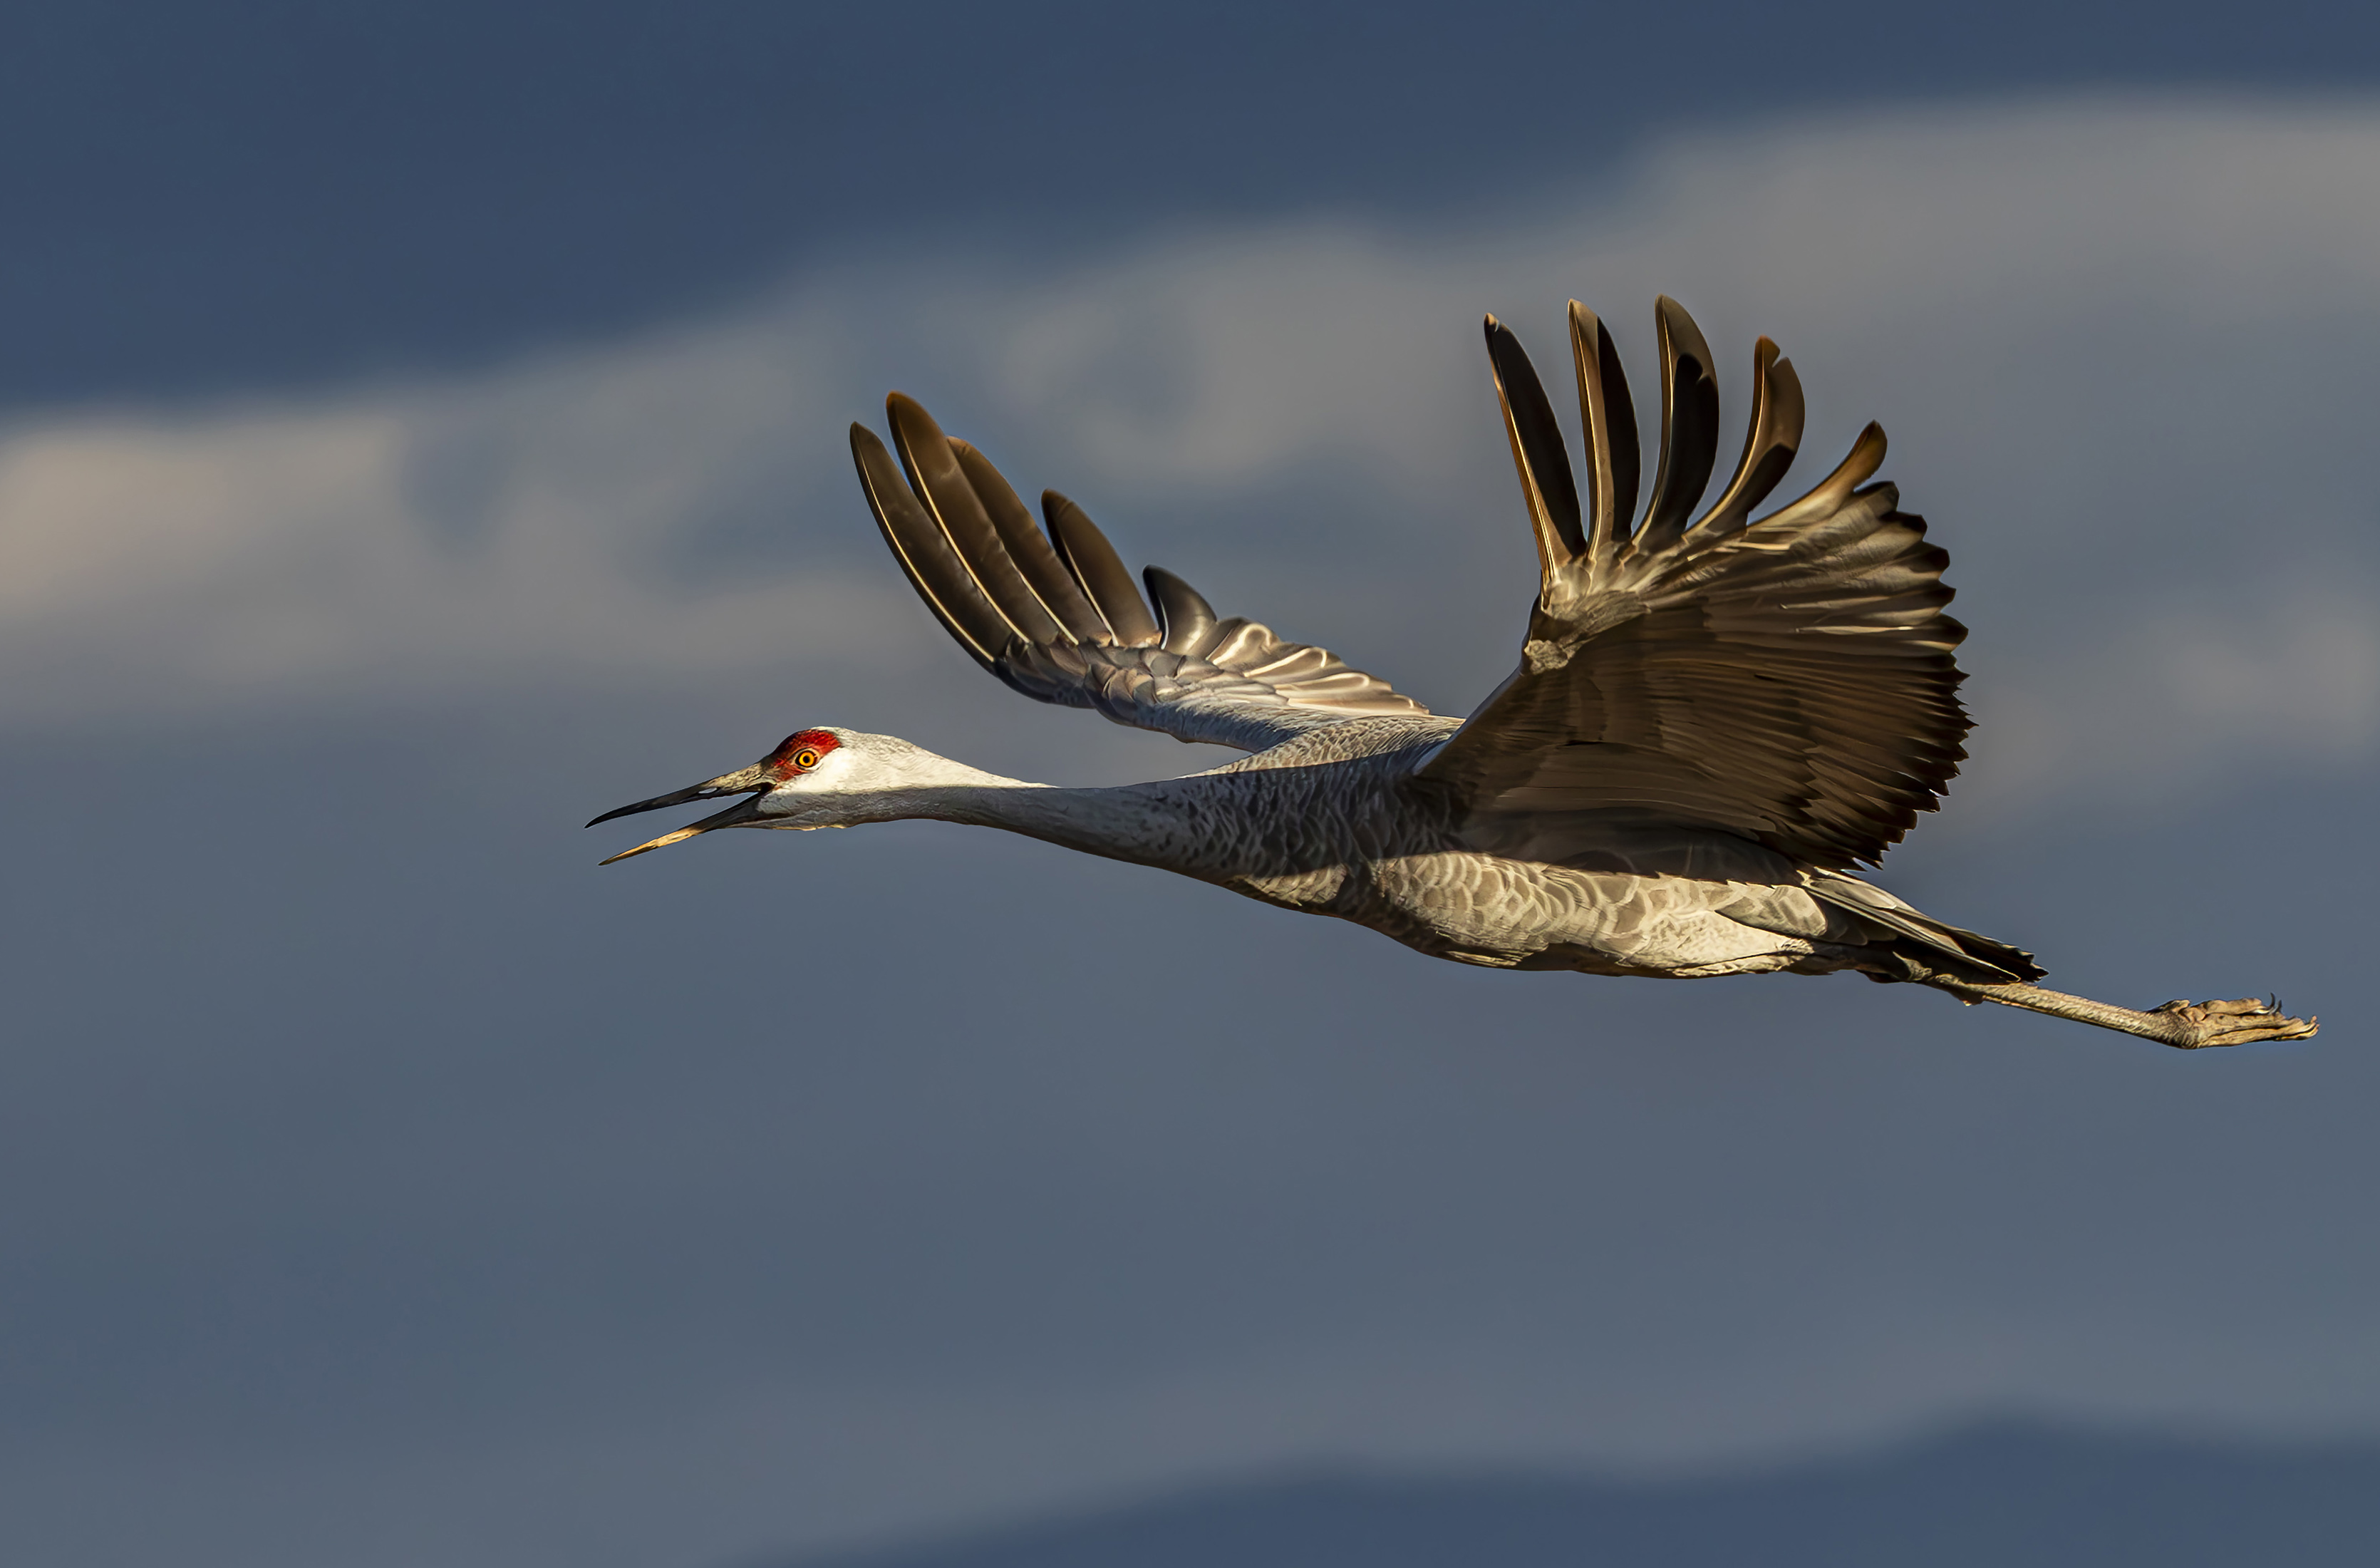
{"type": "Point", "coordinates": [1056, 617]}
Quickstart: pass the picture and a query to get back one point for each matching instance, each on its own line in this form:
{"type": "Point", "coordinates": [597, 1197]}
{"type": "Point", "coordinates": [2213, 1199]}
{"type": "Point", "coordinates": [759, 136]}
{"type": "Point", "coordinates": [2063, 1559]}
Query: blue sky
{"type": "Point", "coordinates": [422, 434]}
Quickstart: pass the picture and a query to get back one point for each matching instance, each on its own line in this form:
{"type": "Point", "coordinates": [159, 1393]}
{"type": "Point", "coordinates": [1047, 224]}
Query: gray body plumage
{"type": "Point", "coordinates": [1336, 822]}
{"type": "Point", "coordinates": [1714, 716]}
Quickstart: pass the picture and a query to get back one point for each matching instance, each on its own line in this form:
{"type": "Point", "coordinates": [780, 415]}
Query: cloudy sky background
{"type": "Point", "coordinates": [383, 1185]}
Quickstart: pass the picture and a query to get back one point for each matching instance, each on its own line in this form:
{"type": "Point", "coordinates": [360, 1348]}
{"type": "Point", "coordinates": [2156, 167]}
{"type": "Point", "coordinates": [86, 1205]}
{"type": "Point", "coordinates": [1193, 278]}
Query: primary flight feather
{"type": "Point", "coordinates": [1714, 718]}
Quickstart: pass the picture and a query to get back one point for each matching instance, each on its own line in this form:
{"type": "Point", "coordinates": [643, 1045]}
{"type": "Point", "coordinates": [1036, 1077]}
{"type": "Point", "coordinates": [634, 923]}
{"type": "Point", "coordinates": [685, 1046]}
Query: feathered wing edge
{"type": "Point", "coordinates": [1056, 615]}
{"type": "Point", "coordinates": [1789, 678]}
{"type": "Point", "coordinates": [1577, 545]}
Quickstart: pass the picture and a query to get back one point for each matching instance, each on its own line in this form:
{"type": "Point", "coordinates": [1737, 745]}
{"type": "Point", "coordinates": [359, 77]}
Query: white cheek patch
{"type": "Point", "coordinates": [833, 771]}
{"type": "Point", "coordinates": [798, 794]}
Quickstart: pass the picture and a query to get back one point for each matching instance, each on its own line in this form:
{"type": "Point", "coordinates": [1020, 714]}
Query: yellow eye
{"type": "Point", "coordinates": [805, 760]}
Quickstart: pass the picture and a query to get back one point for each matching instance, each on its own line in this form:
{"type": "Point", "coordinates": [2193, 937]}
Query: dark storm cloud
{"type": "Point", "coordinates": [272, 190]}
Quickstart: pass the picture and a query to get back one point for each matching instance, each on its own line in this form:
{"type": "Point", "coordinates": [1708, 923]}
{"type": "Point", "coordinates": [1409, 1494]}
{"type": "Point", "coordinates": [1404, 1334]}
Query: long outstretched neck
{"type": "Point", "coordinates": [1172, 824]}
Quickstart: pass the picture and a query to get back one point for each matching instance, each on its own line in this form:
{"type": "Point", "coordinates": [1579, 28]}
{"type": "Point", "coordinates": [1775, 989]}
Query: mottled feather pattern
{"type": "Point", "coordinates": [1334, 823]}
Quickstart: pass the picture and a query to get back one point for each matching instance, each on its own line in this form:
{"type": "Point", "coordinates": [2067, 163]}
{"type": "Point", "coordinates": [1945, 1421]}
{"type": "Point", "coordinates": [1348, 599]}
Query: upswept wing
{"type": "Point", "coordinates": [1790, 679]}
{"type": "Point", "coordinates": [1056, 617]}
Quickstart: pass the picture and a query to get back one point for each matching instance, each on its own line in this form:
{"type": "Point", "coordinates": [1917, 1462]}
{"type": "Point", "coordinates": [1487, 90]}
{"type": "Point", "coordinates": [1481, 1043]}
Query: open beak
{"type": "Point", "coordinates": [750, 782]}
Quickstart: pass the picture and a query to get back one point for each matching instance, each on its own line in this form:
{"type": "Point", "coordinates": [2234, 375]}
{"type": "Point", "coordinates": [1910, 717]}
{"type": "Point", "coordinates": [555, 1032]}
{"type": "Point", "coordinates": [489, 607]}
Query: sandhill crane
{"type": "Point", "coordinates": [1713, 720]}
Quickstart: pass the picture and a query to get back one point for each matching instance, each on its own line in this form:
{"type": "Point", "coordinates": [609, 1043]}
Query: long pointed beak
{"type": "Point", "coordinates": [747, 782]}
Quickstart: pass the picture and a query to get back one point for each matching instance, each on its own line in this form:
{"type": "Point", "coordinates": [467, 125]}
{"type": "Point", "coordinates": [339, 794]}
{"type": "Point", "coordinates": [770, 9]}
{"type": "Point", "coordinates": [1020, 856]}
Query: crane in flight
{"type": "Point", "coordinates": [1715, 717]}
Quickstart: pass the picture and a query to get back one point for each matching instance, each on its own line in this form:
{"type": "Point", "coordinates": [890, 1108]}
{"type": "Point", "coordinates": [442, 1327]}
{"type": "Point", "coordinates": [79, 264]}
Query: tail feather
{"type": "Point", "coordinates": [1933, 945]}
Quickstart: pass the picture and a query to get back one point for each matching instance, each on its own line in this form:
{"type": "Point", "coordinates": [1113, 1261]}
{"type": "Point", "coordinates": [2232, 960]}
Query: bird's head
{"type": "Point", "coordinates": [814, 779]}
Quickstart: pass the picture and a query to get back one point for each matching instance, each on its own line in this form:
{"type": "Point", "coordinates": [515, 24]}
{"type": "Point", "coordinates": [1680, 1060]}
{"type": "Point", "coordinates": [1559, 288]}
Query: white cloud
{"type": "Point", "coordinates": [2101, 331]}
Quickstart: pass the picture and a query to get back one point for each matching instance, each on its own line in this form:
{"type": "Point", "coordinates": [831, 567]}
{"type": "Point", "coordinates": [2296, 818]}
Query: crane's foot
{"type": "Point", "coordinates": [2202, 1023]}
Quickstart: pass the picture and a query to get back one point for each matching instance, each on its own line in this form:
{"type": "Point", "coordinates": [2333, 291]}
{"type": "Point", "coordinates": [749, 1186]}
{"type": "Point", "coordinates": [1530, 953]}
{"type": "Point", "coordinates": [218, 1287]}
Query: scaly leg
{"type": "Point", "coordinates": [2186, 1026]}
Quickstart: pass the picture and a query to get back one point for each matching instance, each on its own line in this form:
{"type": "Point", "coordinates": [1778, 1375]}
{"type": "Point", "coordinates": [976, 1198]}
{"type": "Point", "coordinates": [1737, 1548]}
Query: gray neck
{"type": "Point", "coordinates": [1247, 824]}
{"type": "Point", "coordinates": [1169, 824]}
{"type": "Point", "coordinates": [1196, 825]}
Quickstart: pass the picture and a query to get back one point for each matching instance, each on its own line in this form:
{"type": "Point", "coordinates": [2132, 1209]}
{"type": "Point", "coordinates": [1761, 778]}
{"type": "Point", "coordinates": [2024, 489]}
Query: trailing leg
{"type": "Point", "coordinates": [2186, 1026]}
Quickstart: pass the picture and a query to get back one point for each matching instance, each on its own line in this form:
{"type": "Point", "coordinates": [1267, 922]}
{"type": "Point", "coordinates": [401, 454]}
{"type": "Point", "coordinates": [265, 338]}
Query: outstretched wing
{"type": "Point", "coordinates": [1789, 679]}
{"type": "Point", "coordinates": [1057, 616]}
